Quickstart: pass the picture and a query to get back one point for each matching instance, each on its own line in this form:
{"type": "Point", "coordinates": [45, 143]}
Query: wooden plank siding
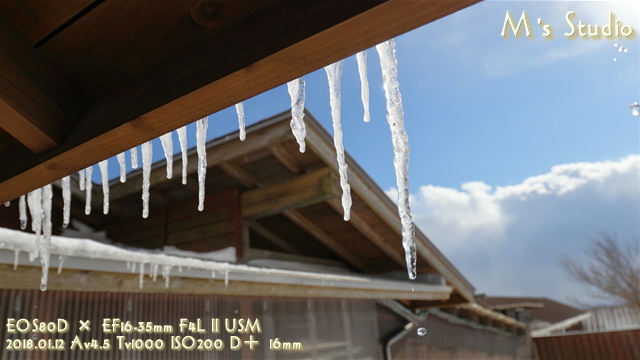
{"type": "Point", "coordinates": [218, 226]}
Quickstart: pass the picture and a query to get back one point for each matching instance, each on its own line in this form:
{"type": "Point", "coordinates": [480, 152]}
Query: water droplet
{"type": "Point", "coordinates": [235, 311]}
{"type": "Point", "coordinates": [635, 109]}
{"type": "Point", "coordinates": [626, 50]}
{"type": "Point", "coordinates": [412, 289]}
{"type": "Point", "coordinates": [621, 49]}
{"type": "Point", "coordinates": [34, 336]}
{"type": "Point", "coordinates": [43, 287]}
{"type": "Point", "coordinates": [614, 59]}
{"type": "Point", "coordinates": [422, 331]}
{"type": "Point", "coordinates": [615, 45]}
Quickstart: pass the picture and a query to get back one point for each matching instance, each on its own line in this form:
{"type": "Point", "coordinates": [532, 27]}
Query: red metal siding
{"type": "Point", "coordinates": [603, 345]}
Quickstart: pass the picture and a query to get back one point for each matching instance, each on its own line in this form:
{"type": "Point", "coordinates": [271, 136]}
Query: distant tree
{"type": "Point", "coordinates": [612, 269]}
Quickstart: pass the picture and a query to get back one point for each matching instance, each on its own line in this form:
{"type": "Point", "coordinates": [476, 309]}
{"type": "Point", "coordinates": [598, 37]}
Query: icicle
{"type": "Point", "coordinates": [66, 200]}
{"type": "Point", "coordinates": [34, 199]}
{"type": "Point", "coordinates": [155, 272]}
{"type": "Point", "coordinates": [7, 204]}
{"type": "Point", "coordinates": [147, 151]}
{"type": "Point", "coordinates": [213, 274]}
{"type": "Point", "coordinates": [334, 72]}
{"type": "Point", "coordinates": [141, 270]}
{"type": "Point", "coordinates": [182, 138]}
{"type": "Point", "coordinates": [226, 278]}
{"type": "Point", "coordinates": [45, 243]}
{"type": "Point", "coordinates": [134, 157]}
{"type": "Point", "coordinates": [60, 263]}
{"type": "Point", "coordinates": [395, 118]}
{"type": "Point", "coordinates": [361, 57]}
{"type": "Point", "coordinates": [16, 256]}
{"type": "Point", "coordinates": [201, 137]}
{"type": "Point", "coordinates": [81, 180]}
{"type": "Point", "coordinates": [166, 270]}
{"type": "Point", "coordinates": [22, 208]}
{"type": "Point", "coordinates": [88, 185]}
{"type": "Point", "coordinates": [240, 111]}
{"type": "Point", "coordinates": [296, 92]}
{"type": "Point", "coordinates": [104, 172]}
{"type": "Point", "coordinates": [133, 268]}
{"type": "Point", "coordinates": [167, 146]}
{"type": "Point", "coordinates": [128, 265]}
{"type": "Point", "coordinates": [122, 161]}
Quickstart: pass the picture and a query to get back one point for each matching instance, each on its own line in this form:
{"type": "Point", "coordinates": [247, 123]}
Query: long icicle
{"type": "Point", "coordinates": [134, 157]}
{"type": "Point", "coordinates": [22, 208]}
{"type": "Point", "coordinates": [297, 95]}
{"type": "Point", "coordinates": [34, 199]}
{"type": "Point", "coordinates": [182, 138]}
{"type": "Point", "coordinates": [45, 242]}
{"type": "Point", "coordinates": [201, 137]}
{"type": "Point", "coordinates": [395, 118]}
{"type": "Point", "coordinates": [361, 57]}
{"type": "Point", "coordinates": [104, 174]}
{"type": "Point", "coordinates": [81, 179]}
{"type": "Point", "coordinates": [240, 111]}
{"type": "Point", "coordinates": [167, 146]}
{"type": "Point", "coordinates": [122, 161]}
{"type": "Point", "coordinates": [66, 201]}
{"type": "Point", "coordinates": [334, 72]}
{"type": "Point", "coordinates": [147, 152]}
{"type": "Point", "coordinates": [88, 186]}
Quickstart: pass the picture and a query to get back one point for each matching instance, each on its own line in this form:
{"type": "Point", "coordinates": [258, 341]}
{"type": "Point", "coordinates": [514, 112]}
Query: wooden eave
{"type": "Point", "coordinates": [84, 80]}
{"type": "Point", "coordinates": [301, 215]}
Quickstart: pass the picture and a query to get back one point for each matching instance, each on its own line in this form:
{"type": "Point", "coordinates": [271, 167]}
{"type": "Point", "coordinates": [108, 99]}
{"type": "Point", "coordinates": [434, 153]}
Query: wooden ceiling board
{"type": "Point", "coordinates": [36, 19]}
{"type": "Point", "coordinates": [121, 39]}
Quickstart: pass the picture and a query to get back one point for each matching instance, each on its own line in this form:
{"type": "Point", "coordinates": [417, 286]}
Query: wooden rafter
{"type": "Point", "coordinates": [326, 240]}
{"type": "Point", "coordinates": [366, 230]}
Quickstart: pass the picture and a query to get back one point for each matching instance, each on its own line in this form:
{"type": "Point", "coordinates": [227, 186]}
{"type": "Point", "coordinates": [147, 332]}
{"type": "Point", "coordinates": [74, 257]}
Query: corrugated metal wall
{"type": "Point", "coordinates": [602, 345]}
{"type": "Point", "coordinates": [329, 329]}
{"type": "Point", "coordinates": [448, 340]}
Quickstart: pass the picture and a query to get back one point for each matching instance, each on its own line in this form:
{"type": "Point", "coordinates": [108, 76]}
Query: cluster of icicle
{"type": "Point", "coordinates": [39, 201]}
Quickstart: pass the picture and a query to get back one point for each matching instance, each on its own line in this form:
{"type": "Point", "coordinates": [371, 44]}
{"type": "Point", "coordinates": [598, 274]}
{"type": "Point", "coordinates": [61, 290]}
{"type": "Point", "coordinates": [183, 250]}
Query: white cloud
{"type": "Point", "coordinates": [507, 240]}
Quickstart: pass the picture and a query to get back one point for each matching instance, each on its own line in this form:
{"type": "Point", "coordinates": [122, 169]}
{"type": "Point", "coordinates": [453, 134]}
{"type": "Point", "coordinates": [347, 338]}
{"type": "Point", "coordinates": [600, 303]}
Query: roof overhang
{"type": "Point", "coordinates": [83, 82]}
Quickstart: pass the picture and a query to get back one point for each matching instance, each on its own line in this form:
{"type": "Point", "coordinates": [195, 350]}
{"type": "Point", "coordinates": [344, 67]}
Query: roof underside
{"type": "Point", "coordinates": [84, 80]}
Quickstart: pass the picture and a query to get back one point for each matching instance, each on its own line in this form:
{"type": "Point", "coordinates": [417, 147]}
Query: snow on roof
{"type": "Point", "coordinates": [85, 254]}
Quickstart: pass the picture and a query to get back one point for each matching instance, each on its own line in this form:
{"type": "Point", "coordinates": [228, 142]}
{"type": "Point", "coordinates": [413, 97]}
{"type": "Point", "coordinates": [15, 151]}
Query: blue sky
{"type": "Point", "coordinates": [490, 120]}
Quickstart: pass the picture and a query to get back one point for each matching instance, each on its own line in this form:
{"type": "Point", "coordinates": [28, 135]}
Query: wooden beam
{"type": "Point", "coordinates": [304, 190]}
{"type": "Point", "coordinates": [28, 278]}
{"type": "Point", "coordinates": [38, 104]}
{"type": "Point", "coordinates": [328, 241]}
{"type": "Point", "coordinates": [257, 56]}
